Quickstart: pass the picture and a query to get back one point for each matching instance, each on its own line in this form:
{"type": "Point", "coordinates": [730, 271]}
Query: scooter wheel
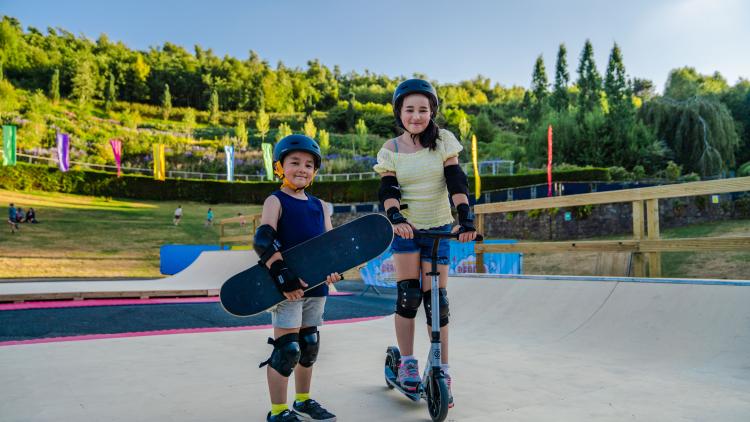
{"type": "Point", "coordinates": [392, 362]}
{"type": "Point", "coordinates": [436, 393]}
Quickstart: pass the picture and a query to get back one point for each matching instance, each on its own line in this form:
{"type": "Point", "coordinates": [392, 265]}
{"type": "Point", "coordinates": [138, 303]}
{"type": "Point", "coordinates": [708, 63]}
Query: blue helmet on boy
{"type": "Point", "coordinates": [414, 86]}
{"type": "Point", "coordinates": [297, 143]}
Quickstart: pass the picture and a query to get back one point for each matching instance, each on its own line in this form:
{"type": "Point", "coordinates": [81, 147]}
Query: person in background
{"type": "Point", "coordinates": [177, 215]}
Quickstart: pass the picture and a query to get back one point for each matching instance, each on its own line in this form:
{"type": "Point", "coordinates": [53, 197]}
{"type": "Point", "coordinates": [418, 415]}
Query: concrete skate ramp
{"type": "Point", "coordinates": [521, 350]}
{"type": "Point", "coordinates": [203, 277]}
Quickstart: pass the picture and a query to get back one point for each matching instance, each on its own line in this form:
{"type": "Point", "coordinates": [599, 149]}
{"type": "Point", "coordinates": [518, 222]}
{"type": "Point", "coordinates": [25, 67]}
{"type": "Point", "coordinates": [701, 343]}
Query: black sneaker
{"type": "Point", "coordinates": [310, 410]}
{"type": "Point", "coordinates": [285, 416]}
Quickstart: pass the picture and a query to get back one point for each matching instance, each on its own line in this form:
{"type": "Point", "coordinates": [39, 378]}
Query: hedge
{"type": "Point", "coordinates": [25, 176]}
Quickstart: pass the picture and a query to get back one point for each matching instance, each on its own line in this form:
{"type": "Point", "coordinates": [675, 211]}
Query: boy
{"type": "Point", "coordinates": [290, 216]}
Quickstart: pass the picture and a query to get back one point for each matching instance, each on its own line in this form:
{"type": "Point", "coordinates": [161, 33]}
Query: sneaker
{"type": "Point", "coordinates": [285, 416]}
{"type": "Point", "coordinates": [449, 380]}
{"type": "Point", "coordinates": [408, 375]}
{"type": "Point", "coordinates": [310, 410]}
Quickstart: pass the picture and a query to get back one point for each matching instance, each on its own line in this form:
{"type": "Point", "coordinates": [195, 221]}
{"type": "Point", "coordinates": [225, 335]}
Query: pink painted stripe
{"type": "Point", "coordinates": [52, 304]}
{"type": "Point", "coordinates": [167, 332]}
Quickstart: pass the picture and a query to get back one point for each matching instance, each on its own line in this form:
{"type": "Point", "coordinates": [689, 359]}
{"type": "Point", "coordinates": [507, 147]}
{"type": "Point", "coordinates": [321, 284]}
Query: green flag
{"type": "Point", "coordinates": [9, 145]}
{"type": "Point", "coordinates": [268, 159]}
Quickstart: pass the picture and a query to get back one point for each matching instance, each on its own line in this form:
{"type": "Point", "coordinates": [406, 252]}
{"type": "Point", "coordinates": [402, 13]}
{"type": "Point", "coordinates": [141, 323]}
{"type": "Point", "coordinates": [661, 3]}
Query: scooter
{"type": "Point", "coordinates": [434, 386]}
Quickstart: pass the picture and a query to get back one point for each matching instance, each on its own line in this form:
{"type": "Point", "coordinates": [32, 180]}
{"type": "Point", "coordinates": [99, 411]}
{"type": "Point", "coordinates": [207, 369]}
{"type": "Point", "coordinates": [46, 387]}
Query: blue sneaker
{"type": "Point", "coordinates": [285, 416]}
{"type": "Point", "coordinates": [310, 410]}
{"type": "Point", "coordinates": [408, 375]}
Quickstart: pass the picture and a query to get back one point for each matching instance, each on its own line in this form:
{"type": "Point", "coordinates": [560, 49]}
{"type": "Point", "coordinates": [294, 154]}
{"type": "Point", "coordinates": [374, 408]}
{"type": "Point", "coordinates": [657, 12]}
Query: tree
{"type": "Point", "coordinates": [166, 103]}
{"type": "Point", "coordinates": [351, 114]}
{"type": "Point", "coordinates": [309, 129]}
{"type": "Point", "coordinates": [589, 82]}
{"type": "Point", "coordinates": [110, 95]}
{"type": "Point", "coordinates": [213, 107]}
{"type": "Point", "coordinates": [700, 131]}
{"type": "Point", "coordinates": [240, 132]}
{"type": "Point", "coordinates": [54, 86]}
{"type": "Point", "coordinates": [361, 129]}
{"type": "Point", "coordinates": [643, 88]}
{"type": "Point", "coordinates": [189, 121]}
{"type": "Point", "coordinates": [464, 128]}
{"type": "Point", "coordinates": [539, 87]}
{"type": "Point", "coordinates": [560, 99]}
{"type": "Point", "coordinates": [325, 141]}
{"type": "Point", "coordinates": [686, 82]}
{"type": "Point", "coordinates": [283, 132]}
{"type": "Point", "coordinates": [84, 82]}
{"type": "Point", "coordinates": [262, 124]}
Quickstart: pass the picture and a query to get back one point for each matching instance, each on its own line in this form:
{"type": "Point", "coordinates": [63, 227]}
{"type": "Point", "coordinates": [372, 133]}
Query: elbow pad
{"type": "Point", "coordinates": [265, 243]}
{"type": "Point", "coordinates": [389, 189]}
{"type": "Point", "coordinates": [456, 180]}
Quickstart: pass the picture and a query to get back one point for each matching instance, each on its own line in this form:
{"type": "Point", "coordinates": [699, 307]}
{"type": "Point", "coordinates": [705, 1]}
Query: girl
{"type": "Point", "coordinates": [419, 170]}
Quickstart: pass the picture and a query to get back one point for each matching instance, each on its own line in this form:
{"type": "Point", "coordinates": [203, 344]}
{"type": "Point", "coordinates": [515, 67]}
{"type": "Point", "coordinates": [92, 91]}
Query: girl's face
{"type": "Point", "coordinates": [415, 113]}
{"type": "Point", "coordinates": [299, 168]}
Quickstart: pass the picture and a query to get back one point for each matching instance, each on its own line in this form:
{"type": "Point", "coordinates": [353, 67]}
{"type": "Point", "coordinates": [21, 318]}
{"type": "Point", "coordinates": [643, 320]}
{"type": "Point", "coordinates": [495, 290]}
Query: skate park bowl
{"type": "Point", "coordinates": [522, 348]}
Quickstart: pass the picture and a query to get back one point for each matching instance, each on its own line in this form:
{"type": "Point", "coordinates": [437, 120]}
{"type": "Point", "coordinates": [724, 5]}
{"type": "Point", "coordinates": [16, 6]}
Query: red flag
{"type": "Point", "coordinates": [117, 151]}
{"type": "Point", "coordinates": [549, 160]}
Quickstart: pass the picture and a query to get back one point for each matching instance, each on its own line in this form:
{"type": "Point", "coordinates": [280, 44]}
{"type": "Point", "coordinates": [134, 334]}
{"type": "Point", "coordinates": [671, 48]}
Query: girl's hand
{"type": "Point", "coordinates": [404, 230]}
{"type": "Point", "coordinates": [465, 236]}
{"type": "Point", "coordinates": [332, 278]}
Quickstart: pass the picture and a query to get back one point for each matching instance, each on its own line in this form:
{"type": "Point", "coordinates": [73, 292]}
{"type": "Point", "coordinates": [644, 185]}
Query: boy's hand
{"type": "Point", "coordinates": [333, 277]}
{"type": "Point", "coordinates": [296, 294]}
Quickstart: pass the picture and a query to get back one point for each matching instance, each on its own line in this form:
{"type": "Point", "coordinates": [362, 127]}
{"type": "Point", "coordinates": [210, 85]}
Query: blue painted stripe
{"type": "Point", "coordinates": [708, 282]}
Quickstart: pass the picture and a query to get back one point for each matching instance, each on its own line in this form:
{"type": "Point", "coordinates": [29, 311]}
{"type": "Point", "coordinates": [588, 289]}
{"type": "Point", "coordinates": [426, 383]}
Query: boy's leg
{"type": "Point", "coordinates": [286, 319]}
{"type": "Point", "coordinates": [309, 339]}
{"type": "Point", "coordinates": [278, 383]}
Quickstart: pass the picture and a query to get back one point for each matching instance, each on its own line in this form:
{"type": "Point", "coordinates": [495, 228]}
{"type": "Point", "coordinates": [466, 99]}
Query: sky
{"type": "Point", "coordinates": [449, 41]}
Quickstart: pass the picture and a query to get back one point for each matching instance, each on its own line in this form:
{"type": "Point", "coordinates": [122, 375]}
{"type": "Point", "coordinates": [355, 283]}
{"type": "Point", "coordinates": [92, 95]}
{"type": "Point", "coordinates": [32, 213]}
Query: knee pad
{"type": "Point", "coordinates": [409, 297]}
{"type": "Point", "coordinates": [309, 344]}
{"type": "Point", "coordinates": [444, 309]}
{"type": "Point", "coordinates": [285, 355]}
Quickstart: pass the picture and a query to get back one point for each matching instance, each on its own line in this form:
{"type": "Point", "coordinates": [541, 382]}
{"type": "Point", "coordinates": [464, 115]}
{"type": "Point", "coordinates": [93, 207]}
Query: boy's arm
{"type": "Point", "coordinates": [326, 216]}
{"type": "Point", "coordinates": [270, 216]}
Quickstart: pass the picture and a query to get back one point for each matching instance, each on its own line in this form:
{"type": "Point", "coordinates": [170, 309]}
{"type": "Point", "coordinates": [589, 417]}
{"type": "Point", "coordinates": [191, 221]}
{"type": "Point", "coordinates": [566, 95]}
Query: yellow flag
{"type": "Point", "coordinates": [160, 166]}
{"type": "Point", "coordinates": [477, 180]}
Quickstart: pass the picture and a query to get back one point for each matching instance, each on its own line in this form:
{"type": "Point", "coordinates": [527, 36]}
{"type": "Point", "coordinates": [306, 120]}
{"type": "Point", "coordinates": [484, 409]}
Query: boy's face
{"type": "Point", "coordinates": [299, 168]}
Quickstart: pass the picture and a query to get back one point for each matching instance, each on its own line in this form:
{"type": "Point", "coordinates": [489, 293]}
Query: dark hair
{"type": "Point", "coordinates": [428, 138]}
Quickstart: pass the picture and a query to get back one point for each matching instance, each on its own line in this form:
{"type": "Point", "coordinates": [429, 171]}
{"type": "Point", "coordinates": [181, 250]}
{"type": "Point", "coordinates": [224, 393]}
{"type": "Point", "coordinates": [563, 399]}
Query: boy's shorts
{"type": "Point", "coordinates": [423, 245]}
{"type": "Point", "coordinates": [306, 312]}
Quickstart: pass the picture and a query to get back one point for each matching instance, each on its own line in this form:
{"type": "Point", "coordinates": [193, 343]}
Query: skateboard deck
{"type": "Point", "coordinates": [253, 291]}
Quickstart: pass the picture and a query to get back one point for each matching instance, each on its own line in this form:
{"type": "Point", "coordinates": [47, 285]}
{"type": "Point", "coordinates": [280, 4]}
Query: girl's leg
{"type": "Point", "coordinates": [407, 267]}
{"type": "Point", "coordinates": [277, 383]}
{"type": "Point", "coordinates": [426, 286]}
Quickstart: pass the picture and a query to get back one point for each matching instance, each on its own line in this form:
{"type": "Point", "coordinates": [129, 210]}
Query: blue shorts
{"type": "Point", "coordinates": [424, 246]}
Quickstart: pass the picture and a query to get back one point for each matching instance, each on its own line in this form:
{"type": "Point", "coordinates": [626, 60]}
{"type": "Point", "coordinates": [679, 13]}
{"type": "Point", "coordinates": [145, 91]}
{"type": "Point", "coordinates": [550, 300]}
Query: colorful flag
{"type": "Point", "coordinates": [229, 150]}
{"type": "Point", "coordinates": [117, 151]}
{"type": "Point", "coordinates": [63, 151]}
{"type": "Point", "coordinates": [474, 159]}
{"type": "Point", "coordinates": [160, 166]}
{"type": "Point", "coordinates": [268, 160]}
{"type": "Point", "coordinates": [9, 145]}
{"type": "Point", "coordinates": [549, 160]}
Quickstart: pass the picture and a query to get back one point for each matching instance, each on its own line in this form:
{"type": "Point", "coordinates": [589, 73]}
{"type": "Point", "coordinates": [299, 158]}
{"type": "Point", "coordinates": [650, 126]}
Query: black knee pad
{"type": "Point", "coordinates": [309, 344]}
{"type": "Point", "coordinates": [285, 355]}
{"type": "Point", "coordinates": [444, 309]}
{"type": "Point", "coordinates": [409, 298]}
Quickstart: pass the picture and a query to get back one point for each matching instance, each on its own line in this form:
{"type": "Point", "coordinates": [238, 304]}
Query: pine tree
{"type": "Point", "coordinates": [111, 94]}
{"type": "Point", "coordinates": [615, 81]}
{"type": "Point", "coordinates": [54, 87]}
{"type": "Point", "coordinates": [84, 84]}
{"type": "Point", "coordinates": [189, 121]}
{"type": "Point", "coordinates": [589, 81]}
{"type": "Point", "coordinates": [325, 140]}
{"type": "Point", "coordinates": [560, 99]}
{"type": "Point", "coordinates": [262, 124]}
{"type": "Point", "coordinates": [240, 132]}
{"type": "Point", "coordinates": [166, 103]}
{"type": "Point", "coordinates": [283, 132]}
{"type": "Point", "coordinates": [539, 92]}
{"type": "Point", "coordinates": [309, 129]}
{"type": "Point", "coordinates": [361, 129]}
{"type": "Point", "coordinates": [213, 108]}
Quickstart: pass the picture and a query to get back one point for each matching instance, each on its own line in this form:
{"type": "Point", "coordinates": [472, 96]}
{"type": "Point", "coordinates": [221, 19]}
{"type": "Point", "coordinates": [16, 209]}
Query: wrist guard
{"type": "Point", "coordinates": [284, 278]}
{"type": "Point", "coordinates": [465, 218]}
{"type": "Point", "coordinates": [395, 216]}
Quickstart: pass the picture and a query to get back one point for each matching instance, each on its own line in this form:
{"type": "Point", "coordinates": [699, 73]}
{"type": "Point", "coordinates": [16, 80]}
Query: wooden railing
{"type": "Point", "coordinates": [251, 221]}
{"type": "Point", "coordinates": [646, 245]}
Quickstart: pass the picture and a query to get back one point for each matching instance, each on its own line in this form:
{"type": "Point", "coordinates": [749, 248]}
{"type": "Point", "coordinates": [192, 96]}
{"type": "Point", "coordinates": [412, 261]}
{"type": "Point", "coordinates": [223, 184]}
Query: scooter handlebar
{"type": "Point", "coordinates": [433, 234]}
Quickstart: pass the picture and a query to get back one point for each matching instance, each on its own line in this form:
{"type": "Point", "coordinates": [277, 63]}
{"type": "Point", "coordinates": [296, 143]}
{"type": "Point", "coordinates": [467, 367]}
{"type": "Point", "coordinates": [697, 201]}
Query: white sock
{"type": "Point", "coordinates": [445, 367]}
{"type": "Point", "coordinates": [409, 357]}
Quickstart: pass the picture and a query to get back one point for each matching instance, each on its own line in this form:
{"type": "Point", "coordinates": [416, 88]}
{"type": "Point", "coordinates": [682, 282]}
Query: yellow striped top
{"type": "Point", "coordinates": [420, 175]}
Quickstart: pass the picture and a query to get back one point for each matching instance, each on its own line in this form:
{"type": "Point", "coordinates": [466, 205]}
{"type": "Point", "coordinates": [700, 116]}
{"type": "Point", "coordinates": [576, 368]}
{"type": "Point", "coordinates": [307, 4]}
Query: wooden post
{"type": "Point", "coordinates": [221, 235]}
{"type": "Point", "coordinates": [480, 255]}
{"type": "Point", "coordinates": [639, 267]}
{"type": "Point", "coordinates": [654, 258]}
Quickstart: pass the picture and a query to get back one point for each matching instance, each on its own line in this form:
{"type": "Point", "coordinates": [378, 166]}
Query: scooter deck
{"type": "Point", "coordinates": [391, 379]}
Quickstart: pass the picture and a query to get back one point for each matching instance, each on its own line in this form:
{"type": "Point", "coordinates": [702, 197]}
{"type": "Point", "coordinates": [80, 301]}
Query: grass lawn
{"type": "Point", "coordinates": [82, 236]}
